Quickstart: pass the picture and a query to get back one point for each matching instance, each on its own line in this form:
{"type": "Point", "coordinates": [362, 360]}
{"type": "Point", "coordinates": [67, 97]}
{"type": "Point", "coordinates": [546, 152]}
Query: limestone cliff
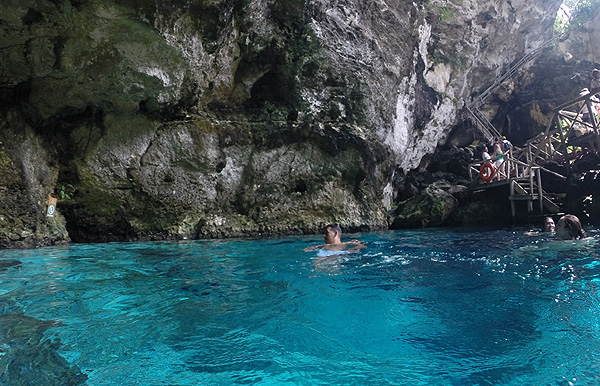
{"type": "Point", "coordinates": [223, 117]}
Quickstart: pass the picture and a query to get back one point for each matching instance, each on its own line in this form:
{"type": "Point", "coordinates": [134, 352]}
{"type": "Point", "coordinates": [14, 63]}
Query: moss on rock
{"type": "Point", "coordinates": [430, 208]}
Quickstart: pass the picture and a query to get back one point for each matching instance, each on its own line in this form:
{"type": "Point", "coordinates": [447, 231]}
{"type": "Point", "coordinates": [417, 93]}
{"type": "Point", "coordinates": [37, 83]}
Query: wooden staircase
{"type": "Point", "coordinates": [525, 184]}
{"type": "Point", "coordinates": [479, 119]}
{"type": "Point", "coordinates": [566, 134]}
{"type": "Point", "coordinates": [530, 191]}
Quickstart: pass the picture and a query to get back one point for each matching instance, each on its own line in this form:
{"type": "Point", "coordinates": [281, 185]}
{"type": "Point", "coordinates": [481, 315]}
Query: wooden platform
{"type": "Point", "coordinates": [490, 185]}
{"type": "Point", "coordinates": [560, 142]}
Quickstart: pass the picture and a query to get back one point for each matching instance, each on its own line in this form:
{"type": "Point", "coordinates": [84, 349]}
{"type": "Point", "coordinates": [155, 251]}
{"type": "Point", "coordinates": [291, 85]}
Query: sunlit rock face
{"type": "Point", "coordinates": [582, 43]}
{"type": "Point", "coordinates": [523, 106]}
{"type": "Point", "coordinates": [215, 118]}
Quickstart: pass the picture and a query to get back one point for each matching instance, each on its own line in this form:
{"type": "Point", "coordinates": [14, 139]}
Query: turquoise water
{"type": "Point", "coordinates": [434, 307]}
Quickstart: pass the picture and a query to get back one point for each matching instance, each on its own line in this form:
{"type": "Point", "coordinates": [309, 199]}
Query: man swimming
{"type": "Point", "coordinates": [333, 241]}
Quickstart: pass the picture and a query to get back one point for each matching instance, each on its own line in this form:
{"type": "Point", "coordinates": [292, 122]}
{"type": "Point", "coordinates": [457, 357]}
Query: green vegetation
{"type": "Point", "coordinates": [445, 14]}
{"type": "Point", "coordinates": [439, 12]}
{"type": "Point", "coordinates": [574, 13]}
{"type": "Point", "coordinates": [66, 192]}
{"type": "Point", "coordinates": [356, 105]}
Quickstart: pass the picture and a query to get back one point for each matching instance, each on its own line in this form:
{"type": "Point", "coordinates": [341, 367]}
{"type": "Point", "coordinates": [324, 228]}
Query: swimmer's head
{"type": "Point", "coordinates": [333, 234]}
{"type": "Point", "coordinates": [569, 228]}
{"type": "Point", "coordinates": [549, 225]}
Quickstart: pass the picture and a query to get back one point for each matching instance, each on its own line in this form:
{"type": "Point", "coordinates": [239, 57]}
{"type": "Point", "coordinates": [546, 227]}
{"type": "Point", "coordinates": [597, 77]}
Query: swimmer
{"type": "Point", "coordinates": [333, 241]}
{"type": "Point", "coordinates": [569, 228]}
{"type": "Point", "coordinates": [549, 225]}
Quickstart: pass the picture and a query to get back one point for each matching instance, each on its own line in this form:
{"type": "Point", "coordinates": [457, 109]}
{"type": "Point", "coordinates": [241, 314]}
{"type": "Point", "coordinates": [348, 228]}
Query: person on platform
{"type": "Point", "coordinates": [485, 155]}
{"type": "Point", "coordinates": [499, 163]}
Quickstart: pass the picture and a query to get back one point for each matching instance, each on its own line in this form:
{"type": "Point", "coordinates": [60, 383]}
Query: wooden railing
{"type": "Point", "coordinates": [528, 190]}
{"type": "Point", "coordinates": [513, 167]}
{"type": "Point", "coordinates": [540, 148]}
{"type": "Point", "coordinates": [483, 124]}
{"type": "Point", "coordinates": [524, 180]}
{"type": "Point", "coordinates": [567, 131]}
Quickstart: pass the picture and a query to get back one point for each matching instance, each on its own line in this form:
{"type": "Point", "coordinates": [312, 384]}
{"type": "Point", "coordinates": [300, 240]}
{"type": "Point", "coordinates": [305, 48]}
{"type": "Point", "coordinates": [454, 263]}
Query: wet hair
{"type": "Point", "coordinates": [335, 227]}
{"type": "Point", "coordinates": [573, 226]}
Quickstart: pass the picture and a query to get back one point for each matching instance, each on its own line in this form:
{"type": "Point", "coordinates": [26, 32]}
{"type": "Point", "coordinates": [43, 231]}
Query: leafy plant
{"type": "Point", "coordinates": [439, 13]}
{"type": "Point", "coordinates": [66, 192]}
{"type": "Point", "coordinates": [445, 14]}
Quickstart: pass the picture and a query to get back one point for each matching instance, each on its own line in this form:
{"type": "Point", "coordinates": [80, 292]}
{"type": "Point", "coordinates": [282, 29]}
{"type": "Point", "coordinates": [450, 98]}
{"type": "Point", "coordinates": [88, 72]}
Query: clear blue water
{"type": "Point", "coordinates": [431, 307]}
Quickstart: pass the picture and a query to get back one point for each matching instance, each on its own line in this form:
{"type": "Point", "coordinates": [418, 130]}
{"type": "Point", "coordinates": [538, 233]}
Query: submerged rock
{"type": "Point", "coordinates": [29, 358]}
{"type": "Point", "coordinates": [6, 264]}
{"type": "Point", "coordinates": [582, 188]}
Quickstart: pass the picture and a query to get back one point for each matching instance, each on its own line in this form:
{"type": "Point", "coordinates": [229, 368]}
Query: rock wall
{"type": "Point", "coordinates": [27, 175]}
{"type": "Point", "coordinates": [178, 119]}
{"type": "Point", "coordinates": [521, 107]}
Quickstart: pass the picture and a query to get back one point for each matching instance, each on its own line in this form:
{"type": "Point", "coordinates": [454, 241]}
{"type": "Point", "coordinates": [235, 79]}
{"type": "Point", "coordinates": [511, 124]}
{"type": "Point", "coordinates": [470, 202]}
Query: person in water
{"type": "Point", "coordinates": [569, 228]}
{"type": "Point", "coordinates": [549, 225]}
{"type": "Point", "coordinates": [333, 241]}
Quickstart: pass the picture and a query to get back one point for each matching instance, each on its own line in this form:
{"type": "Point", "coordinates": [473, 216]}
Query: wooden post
{"type": "Point", "coordinates": [512, 202]}
{"type": "Point", "coordinates": [563, 141]}
{"type": "Point", "coordinates": [592, 113]}
{"type": "Point", "coordinates": [531, 190]}
{"type": "Point", "coordinates": [530, 158]}
{"type": "Point", "coordinates": [510, 165]}
{"type": "Point", "coordinates": [540, 190]}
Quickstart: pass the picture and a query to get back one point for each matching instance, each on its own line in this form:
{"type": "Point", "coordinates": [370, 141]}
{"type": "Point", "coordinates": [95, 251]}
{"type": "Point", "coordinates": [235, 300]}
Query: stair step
{"type": "Point", "coordinates": [551, 206]}
{"type": "Point", "coordinates": [556, 195]}
{"type": "Point", "coordinates": [519, 189]}
{"type": "Point", "coordinates": [524, 197]}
